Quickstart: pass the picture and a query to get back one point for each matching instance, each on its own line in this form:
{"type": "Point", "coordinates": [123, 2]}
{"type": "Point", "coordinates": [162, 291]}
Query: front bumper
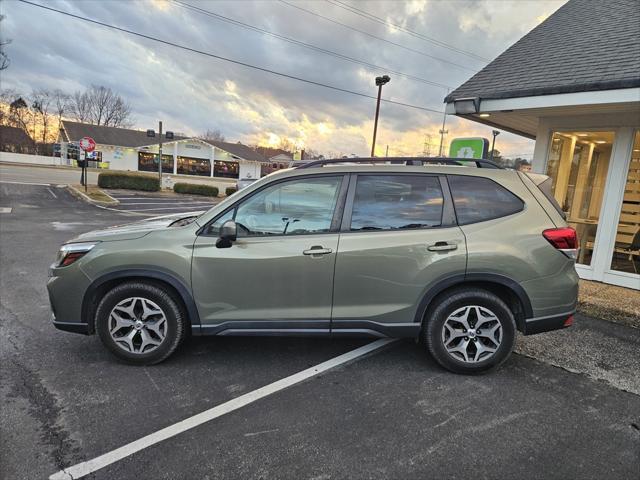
{"type": "Point", "coordinates": [546, 324]}
{"type": "Point", "coordinates": [66, 288]}
{"type": "Point", "coordinates": [72, 327]}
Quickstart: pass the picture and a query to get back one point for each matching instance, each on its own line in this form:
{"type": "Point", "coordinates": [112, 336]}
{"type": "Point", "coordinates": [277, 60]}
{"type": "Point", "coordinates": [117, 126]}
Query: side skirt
{"type": "Point", "coordinates": [340, 328]}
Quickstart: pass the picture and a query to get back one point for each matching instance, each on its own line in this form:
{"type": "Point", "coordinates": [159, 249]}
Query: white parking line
{"type": "Point", "coordinates": [165, 203]}
{"type": "Point", "coordinates": [26, 183]}
{"type": "Point", "coordinates": [51, 192]}
{"type": "Point", "coordinates": [143, 197]}
{"type": "Point", "coordinates": [90, 466]}
{"type": "Point", "coordinates": [159, 208]}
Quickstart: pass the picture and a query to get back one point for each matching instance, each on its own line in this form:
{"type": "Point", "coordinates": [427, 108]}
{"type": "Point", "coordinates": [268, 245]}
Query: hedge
{"type": "Point", "coordinates": [196, 189]}
{"type": "Point", "coordinates": [230, 191]}
{"type": "Point", "coordinates": [129, 181]}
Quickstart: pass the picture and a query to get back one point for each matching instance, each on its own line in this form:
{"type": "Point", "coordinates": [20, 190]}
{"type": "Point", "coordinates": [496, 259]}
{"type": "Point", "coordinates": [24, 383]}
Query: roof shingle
{"type": "Point", "coordinates": [586, 45]}
{"type": "Point", "coordinates": [122, 137]}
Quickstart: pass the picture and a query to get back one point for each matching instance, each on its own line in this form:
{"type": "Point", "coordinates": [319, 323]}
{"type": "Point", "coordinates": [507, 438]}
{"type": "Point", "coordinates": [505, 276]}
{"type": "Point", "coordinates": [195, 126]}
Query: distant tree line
{"type": "Point", "coordinates": [40, 112]}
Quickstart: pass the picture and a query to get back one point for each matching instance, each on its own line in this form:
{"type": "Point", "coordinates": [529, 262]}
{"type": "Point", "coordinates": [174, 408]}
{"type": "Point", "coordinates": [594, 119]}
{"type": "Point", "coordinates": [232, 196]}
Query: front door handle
{"type": "Point", "coordinates": [317, 250]}
{"type": "Point", "coordinates": [442, 247]}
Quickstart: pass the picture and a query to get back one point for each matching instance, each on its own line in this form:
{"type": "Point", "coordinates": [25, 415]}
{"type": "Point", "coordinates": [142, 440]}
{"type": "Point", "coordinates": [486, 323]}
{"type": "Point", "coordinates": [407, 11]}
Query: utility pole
{"type": "Point", "coordinates": [380, 81]}
{"type": "Point", "coordinates": [386, 154]}
{"type": "Point", "coordinates": [160, 153]}
{"type": "Point", "coordinates": [426, 147]}
{"type": "Point", "coordinates": [442, 132]}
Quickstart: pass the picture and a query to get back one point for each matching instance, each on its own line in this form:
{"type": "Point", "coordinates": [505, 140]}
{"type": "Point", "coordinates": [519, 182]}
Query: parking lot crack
{"type": "Point", "coordinates": [45, 409]}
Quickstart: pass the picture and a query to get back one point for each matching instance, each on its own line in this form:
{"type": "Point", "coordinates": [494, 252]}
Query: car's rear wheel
{"type": "Point", "coordinates": [469, 330]}
{"type": "Point", "coordinates": [141, 323]}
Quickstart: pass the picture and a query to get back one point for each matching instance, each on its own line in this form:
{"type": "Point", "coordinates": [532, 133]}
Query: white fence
{"type": "Point", "coordinates": [30, 159]}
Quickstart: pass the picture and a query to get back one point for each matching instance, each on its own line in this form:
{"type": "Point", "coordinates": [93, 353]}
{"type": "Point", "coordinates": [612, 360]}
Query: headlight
{"type": "Point", "coordinates": [71, 252]}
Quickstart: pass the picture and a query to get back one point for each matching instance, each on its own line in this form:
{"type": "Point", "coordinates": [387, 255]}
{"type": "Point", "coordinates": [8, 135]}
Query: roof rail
{"type": "Point", "coordinates": [480, 163]}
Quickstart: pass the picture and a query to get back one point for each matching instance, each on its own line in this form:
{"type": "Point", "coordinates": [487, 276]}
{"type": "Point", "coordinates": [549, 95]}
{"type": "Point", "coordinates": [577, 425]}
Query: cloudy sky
{"type": "Point", "coordinates": [191, 92]}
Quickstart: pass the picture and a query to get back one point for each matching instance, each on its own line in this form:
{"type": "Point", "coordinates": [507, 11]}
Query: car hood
{"type": "Point", "coordinates": [131, 231]}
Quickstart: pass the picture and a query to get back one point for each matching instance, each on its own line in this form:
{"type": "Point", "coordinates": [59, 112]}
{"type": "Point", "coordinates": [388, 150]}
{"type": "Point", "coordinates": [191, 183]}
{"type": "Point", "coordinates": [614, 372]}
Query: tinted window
{"type": "Point", "coordinates": [390, 202]}
{"type": "Point", "coordinates": [289, 208]}
{"type": "Point", "coordinates": [477, 199]}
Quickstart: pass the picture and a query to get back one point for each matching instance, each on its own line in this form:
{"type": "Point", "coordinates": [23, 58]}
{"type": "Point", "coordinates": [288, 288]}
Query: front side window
{"type": "Point", "coordinates": [477, 199]}
{"type": "Point", "coordinates": [293, 207]}
{"type": "Point", "coordinates": [393, 202]}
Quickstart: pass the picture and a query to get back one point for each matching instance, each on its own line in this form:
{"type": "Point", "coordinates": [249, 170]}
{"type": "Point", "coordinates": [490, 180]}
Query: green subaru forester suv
{"type": "Point", "coordinates": [458, 253]}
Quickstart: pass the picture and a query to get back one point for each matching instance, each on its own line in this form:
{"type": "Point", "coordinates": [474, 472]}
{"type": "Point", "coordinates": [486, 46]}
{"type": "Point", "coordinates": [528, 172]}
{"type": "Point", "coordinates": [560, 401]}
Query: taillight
{"type": "Point", "coordinates": [564, 239]}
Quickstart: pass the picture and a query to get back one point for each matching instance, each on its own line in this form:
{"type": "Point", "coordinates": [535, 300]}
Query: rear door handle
{"type": "Point", "coordinates": [317, 250]}
{"type": "Point", "coordinates": [442, 247]}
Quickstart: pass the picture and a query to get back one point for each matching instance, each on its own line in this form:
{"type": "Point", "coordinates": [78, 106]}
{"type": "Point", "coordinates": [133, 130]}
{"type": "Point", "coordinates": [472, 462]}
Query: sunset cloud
{"type": "Point", "coordinates": [192, 93]}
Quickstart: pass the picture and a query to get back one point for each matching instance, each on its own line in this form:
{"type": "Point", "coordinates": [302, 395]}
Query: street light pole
{"type": "Point", "coordinates": [380, 81]}
{"type": "Point", "coordinates": [495, 133]}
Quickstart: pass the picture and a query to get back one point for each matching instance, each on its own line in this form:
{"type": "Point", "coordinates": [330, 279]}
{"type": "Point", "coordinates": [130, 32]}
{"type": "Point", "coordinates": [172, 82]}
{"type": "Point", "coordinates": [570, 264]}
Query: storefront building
{"type": "Point", "coordinates": [126, 149]}
{"type": "Point", "coordinates": [573, 85]}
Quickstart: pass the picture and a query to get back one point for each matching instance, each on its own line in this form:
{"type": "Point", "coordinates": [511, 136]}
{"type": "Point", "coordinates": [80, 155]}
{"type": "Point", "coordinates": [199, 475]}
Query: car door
{"type": "Point", "coordinates": [398, 239]}
{"type": "Point", "coordinates": [278, 274]}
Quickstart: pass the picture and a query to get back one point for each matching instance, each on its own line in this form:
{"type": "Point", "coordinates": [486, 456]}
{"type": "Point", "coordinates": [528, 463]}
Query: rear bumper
{"type": "Point", "coordinates": [546, 324]}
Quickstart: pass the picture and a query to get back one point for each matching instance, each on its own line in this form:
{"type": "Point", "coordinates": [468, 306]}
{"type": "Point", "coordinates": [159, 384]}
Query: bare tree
{"type": "Point", "coordinates": [61, 103]}
{"type": "Point", "coordinates": [6, 97]}
{"type": "Point", "coordinates": [4, 58]}
{"type": "Point", "coordinates": [100, 105]}
{"type": "Point", "coordinates": [42, 104]}
{"type": "Point", "coordinates": [286, 145]}
{"type": "Point", "coordinates": [19, 114]}
{"type": "Point", "coordinates": [79, 107]}
{"type": "Point", "coordinates": [213, 135]}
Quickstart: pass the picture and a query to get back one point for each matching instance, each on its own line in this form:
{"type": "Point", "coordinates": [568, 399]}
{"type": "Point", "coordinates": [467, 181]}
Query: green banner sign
{"type": "Point", "coordinates": [469, 148]}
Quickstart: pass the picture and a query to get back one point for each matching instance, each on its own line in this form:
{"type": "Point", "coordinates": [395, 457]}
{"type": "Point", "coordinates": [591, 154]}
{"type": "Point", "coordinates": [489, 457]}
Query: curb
{"type": "Point", "coordinates": [80, 194]}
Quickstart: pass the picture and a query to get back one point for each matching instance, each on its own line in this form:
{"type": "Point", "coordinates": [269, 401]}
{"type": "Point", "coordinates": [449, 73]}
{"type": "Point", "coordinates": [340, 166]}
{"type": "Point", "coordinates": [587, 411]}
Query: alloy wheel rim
{"type": "Point", "coordinates": [137, 325]}
{"type": "Point", "coordinates": [472, 334]}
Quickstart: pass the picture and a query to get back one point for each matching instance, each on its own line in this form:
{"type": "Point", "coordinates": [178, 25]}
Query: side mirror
{"type": "Point", "coordinates": [228, 234]}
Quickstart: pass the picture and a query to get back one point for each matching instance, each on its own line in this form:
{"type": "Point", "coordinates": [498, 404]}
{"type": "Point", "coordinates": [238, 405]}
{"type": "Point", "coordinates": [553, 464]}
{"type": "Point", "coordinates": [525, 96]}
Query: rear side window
{"type": "Point", "coordinates": [395, 202]}
{"type": "Point", "coordinates": [546, 188]}
{"type": "Point", "coordinates": [477, 199]}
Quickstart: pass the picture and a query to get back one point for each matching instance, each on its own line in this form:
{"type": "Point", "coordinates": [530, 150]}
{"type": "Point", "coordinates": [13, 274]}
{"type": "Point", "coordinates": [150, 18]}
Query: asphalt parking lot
{"type": "Point", "coordinates": [160, 204]}
{"type": "Point", "coordinates": [391, 414]}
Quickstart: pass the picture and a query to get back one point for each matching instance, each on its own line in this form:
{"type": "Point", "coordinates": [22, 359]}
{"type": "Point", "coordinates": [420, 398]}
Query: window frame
{"type": "Point", "coordinates": [335, 220]}
{"type": "Point", "coordinates": [461, 224]}
{"type": "Point", "coordinates": [448, 219]}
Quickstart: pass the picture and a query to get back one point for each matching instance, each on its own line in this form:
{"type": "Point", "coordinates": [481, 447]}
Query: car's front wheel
{"type": "Point", "coordinates": [141, 323]}
{"type": "Point", "coordinates": [469, 330]}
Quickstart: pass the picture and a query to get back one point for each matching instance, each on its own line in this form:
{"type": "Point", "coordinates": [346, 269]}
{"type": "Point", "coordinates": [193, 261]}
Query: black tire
{"type": "Point", "coordinates": [173, 312]}
{"type": "Point", "coordinates": [448, 303]}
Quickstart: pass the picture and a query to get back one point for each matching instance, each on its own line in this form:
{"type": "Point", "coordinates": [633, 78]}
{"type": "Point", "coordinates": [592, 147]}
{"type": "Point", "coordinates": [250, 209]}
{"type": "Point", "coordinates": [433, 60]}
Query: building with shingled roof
{"type": "Point", "coordinates": [573, 85]}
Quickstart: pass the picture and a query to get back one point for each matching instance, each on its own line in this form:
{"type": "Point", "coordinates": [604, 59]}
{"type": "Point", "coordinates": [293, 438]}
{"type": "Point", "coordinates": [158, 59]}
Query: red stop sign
{"type": "Point", "coordinates": [88, 144]}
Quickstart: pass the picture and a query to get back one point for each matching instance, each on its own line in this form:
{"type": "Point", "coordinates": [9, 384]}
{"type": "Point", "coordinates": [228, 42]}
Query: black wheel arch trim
{"type": "Point", "coordinates": [442, 284]}
{"type": "Point", "coordinates": [140, 273]}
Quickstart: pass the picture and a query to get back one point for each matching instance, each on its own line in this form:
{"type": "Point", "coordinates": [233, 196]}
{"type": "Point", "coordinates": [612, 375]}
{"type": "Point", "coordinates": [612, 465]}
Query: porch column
{"type": "Point", "coordinates": [564, 170]}
{"type": "Point", "coordinates": [175, 158]}
{"type": "Point", "coordinates": [212, 157]}
{"type": "Point", "coordinates": [581, 184]}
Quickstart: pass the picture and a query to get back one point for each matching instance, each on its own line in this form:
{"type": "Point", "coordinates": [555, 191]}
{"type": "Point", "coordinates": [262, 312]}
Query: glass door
{"type": "Point", "coordinates": [626, 252]}
{"type": "Point", "coordinates": [578, 164]}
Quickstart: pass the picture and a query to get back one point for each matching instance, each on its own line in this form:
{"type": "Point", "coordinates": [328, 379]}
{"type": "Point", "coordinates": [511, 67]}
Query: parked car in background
{"type": "Point", "coordinates": [458, 256]}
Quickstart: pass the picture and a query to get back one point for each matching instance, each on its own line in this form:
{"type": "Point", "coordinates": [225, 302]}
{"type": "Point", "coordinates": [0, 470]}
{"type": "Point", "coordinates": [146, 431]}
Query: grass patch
{"type": "Point", "coordinates": [95, 194]}
{"type": "Point", "coordinates": [196, 189]}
